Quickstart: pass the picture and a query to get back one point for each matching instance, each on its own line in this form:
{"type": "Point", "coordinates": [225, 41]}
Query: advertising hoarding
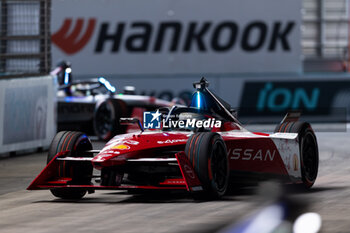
{"type": "Point", "coordinates": [121, 37]}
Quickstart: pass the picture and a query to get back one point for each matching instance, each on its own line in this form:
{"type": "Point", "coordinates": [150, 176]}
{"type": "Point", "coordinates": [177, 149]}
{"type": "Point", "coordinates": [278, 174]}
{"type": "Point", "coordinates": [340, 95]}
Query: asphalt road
{"type": "Point", "coordinates": [106, 211]}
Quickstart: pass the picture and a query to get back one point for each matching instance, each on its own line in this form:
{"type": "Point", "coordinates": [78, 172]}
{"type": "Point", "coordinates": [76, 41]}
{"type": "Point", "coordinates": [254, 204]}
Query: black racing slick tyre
{"type": "Point", "coordinates": [308, 148]}
{"type": "Point", "coordinates": [76, 143]}
{"type": "Point", "coordinates": [106, 118]}
{"type": "Point", "coordinates": [208, 154]}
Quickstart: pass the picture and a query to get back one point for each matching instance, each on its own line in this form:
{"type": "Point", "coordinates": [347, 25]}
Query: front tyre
{"type": "Point", "coordinates": [76, 143]}
{"type": "Point", "coordinates": [208, 155]}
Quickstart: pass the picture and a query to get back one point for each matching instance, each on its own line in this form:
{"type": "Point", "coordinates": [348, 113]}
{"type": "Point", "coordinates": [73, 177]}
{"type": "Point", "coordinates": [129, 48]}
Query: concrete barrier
{"type": "Point", "coordinates": [27, 113]}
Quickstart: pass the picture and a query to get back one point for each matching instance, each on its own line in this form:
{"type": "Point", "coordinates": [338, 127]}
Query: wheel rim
{"type": "Point", "coordinates": [219, 166]}
{"type": "Point", "coordinates": [82, 145]}
{"type": "Point", "coordinates": [310, 160]}
{"type": "Point", "coordinates": [104, 119]}
{"type": "Point", "coordinates": [80, 174]}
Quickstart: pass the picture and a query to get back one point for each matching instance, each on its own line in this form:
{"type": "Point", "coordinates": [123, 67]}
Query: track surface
{"type": "Point", "coordinates": [39, 211]}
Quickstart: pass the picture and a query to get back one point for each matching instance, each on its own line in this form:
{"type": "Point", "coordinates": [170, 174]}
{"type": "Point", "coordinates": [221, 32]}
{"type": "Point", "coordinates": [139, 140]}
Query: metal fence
{"type": "Point", "coordinates": [325, 33]}
{"type": "Point", "coordinates": [25, 48]}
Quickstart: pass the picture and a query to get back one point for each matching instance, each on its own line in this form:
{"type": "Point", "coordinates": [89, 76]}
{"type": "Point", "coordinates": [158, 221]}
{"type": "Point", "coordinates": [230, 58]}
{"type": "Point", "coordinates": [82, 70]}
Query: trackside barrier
{"type": "Point", "coordinates": [27, 113]}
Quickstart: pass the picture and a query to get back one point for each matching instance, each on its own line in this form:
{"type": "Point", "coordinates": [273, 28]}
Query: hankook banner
{"type": "Point", "coordinates": [177, 37]}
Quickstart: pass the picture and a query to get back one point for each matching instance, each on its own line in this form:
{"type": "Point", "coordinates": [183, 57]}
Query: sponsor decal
{"type": "Point", "coordinates": [119, 140]}
{"type": "Point", "coordinates": [195, 36]}
{"type": "Point", "coordinates": [174, 182]}
{"type": "Point", "coordinates": [314, 98]}
{"type": "Point", "coordinates": [276, 97]}
{"type": "Point", "coordinates": [108, 153]}
{"type": "Point", "coordinates": [172, 141]}
{"type": "Point", "coordinates": [144, 36]}
{"type": "Point", "coordinates": [189, 171]}
{"type": "Point", "coordinates": [295, 162]}
{"type": "Point", "coordinates": [121, 147]}
{"type": "Point", "coordinates": [77, 39]}
{"type": "Point", "coordinates": [103, 155]}
{"type": "Point", "coordinates": [131, 142]}
{"type": "Point", "coordinates": [251, 154]}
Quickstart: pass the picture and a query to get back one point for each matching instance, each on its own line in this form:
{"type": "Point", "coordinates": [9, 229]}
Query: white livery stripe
{"type": "Point", "coordinates": [284, 135]}
{"type": "Point", "coordinates": [94, 151]}
{"type": "Point", "coordinates": [153, 160]}
{"type": "Point", "coordinates": [75, 159]}
{"type": "Point", "coordinates": [289, 152]}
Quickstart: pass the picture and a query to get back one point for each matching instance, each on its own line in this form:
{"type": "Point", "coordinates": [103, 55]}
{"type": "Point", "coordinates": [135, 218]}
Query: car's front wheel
{"type": "Point", "coordinates": [208, 155]}
{"type": "Point", "coordinates": [76, 143]}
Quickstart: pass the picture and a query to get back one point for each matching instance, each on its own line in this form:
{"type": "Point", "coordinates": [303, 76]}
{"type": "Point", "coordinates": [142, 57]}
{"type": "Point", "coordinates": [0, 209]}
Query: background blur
{"type": "Point", "coordinates": [264, 57]}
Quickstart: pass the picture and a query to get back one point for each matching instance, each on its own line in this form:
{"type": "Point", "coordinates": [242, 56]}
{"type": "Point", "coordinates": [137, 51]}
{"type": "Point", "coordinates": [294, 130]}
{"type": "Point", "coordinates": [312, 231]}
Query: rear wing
{"type": "Point", "coordinates": [291, 116]}
{"type": "Point", "coordinates": [289, 119]}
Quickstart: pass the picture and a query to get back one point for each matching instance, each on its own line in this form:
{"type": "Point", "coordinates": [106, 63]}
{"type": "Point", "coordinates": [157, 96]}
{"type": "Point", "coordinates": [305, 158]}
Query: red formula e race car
{"type": "Point", "coordinates": [201, 148]}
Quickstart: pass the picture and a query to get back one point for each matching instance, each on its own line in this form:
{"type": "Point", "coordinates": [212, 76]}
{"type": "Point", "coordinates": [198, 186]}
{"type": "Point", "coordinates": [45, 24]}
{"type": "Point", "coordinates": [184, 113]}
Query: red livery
{"type": "Point", "coordinates": [201, 148]}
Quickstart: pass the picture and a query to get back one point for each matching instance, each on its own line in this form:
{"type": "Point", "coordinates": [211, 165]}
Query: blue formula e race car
{"type": "Point", "coordinates": [94, 107]}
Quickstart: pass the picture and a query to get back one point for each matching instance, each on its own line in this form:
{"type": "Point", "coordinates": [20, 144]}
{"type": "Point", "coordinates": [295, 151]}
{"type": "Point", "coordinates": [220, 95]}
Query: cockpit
{"type": "Point", "coordinates": [87, 88]}
{"type": "Point", "coordinates": [205, 106]}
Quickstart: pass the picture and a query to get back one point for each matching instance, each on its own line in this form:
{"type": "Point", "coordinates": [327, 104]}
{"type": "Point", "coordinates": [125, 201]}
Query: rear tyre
{"type": "Point", "coordinates": [76, 143]}
{"type": "Point", "coordinates": [106, 118]}
{"type": "Point", "coordinates": [309, 155]}
{"type": "Point", "coordinates": [308, 148]}
{"type": "Point", "coordinates": [208, 155]}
